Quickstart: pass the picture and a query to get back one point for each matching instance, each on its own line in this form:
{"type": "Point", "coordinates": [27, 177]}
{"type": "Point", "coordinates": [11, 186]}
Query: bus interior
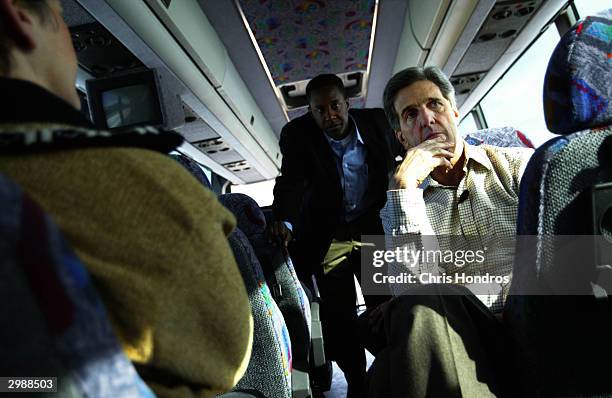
{"type": "Point", "coordinates": [227, 75]}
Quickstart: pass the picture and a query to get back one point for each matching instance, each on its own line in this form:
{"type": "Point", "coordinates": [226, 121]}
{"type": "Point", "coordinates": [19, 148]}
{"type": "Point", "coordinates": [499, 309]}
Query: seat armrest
{"type": "Point", "coordinates": [318, 348]}
{"type": "Point", "coordinates": [300, 384]}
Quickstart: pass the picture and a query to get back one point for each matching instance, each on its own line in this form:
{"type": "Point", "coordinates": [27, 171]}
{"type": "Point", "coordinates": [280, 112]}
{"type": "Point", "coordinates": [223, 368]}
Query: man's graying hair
{"type": "Point", "coordinates": [408, 76]}
{"type": "Point", "coordinates": [40, 8]}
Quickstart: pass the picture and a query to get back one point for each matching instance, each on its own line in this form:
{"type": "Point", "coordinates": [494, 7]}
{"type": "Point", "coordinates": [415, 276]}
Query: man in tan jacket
{"type": "Point", "coordinates": [152, 237]}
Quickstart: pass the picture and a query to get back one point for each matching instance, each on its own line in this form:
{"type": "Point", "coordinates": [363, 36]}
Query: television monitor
{"type": "Point", "coordinates": [126, 100]}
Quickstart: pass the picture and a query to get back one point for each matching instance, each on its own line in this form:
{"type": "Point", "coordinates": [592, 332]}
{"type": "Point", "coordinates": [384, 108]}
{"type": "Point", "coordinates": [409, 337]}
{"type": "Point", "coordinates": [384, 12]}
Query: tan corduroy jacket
{"type": "Point", "coordinates": [155, 243]}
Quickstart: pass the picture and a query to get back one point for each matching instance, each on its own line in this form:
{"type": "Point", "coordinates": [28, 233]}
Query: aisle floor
{"type": "Point", "coordinates": [338, 389]}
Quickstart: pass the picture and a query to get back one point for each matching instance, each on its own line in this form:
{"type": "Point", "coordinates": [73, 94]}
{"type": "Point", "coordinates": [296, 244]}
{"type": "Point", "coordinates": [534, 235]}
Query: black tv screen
{"type": "Point", "coordinates": [131, 105]}
{"type": "Point", "coordinates": [126, 100]}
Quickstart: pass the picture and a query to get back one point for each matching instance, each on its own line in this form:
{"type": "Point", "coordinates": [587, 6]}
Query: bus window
{"type": "Point", "coordinates": [260, 191]}
{"type": "Point", "coordinates": [590, 7]}
{"type": "Point", "coordinates": [467, 125]}
{"type": "Point", "coordinates": [207, 171]}
{"type": "Point", "coordinates": [516, 99]}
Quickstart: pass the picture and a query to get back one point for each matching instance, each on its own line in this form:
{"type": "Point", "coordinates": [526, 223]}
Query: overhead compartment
{"type": "Point", "coordinates": [431, 31]}
{"type": "Point", "coordinates": [186, 42]}
{"type": "Point", "coordinates": [509, 29]}
{"type": "Point", "coordinates": [421, 25]}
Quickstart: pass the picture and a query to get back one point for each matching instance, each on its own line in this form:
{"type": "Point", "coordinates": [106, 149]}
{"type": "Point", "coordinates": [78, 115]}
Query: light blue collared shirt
{"type": "Point", "coordinates": [350, 157]}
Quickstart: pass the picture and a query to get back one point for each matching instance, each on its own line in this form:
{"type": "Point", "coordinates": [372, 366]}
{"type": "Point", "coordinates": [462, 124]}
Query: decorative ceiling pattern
{"type": "Point", "coordinates": [300, 39]}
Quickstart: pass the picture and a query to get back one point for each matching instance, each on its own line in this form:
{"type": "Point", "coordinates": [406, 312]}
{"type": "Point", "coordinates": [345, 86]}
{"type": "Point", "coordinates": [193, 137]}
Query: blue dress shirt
{"type": "Point", "coordinates": [350, 157]}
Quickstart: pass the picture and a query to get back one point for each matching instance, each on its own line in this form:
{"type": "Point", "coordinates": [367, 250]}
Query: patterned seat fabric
{"type": "Point", "coordinates": [293, 301]}
{"type": "Point", "coordinates": [499, 136]}
{"type": "Point", "coordinates": [269, 370]}
{"type": "Point", "coordinates": [53, 323]}
{"type": "Point", "coordinates": [564, 341]}
{"type": "Point", "coordinates": [193, 168]}
{"type": "Point", "coordinates": [289, 279]}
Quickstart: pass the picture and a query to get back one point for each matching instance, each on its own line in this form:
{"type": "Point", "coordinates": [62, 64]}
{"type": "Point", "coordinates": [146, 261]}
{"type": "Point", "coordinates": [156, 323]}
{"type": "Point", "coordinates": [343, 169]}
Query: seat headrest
{"type": "Point", "coordinates": [499, 136]}
{"type": "Point", "coordinates": [193, 167]}
{"type": "Point", "coordinates": [249, 217]}
{"type": "Point", "coordinates": [577, 89]}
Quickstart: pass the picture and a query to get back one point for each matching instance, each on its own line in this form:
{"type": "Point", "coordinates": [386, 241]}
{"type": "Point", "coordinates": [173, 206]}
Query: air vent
{"type": "Point", "coordinates": [238, 166]}
{"type": "Point", "coordinates": [521, 12]}
{"type": "Point", "coordinates": [506, 19]}
{"type": "Point", "coordinates": [466, 83]}
{"type": "Point", "coordinates": [502, 26]}
{"type": "Point", "coordinates": [212, 146]}
{"type": "Point", "coordinates": [99, 53]}
{"type": "Point", "coordinates": [508, 33]}
{"type": "Point", "coordinates": [487, 37]}
{"type": "Point", "coordinates": [503, 14]}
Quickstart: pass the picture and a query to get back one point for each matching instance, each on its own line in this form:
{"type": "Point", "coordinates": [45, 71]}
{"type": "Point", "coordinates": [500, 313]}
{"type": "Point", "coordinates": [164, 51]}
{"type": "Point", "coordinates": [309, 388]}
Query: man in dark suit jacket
{"type": "Point", "coordinates": [333, 183]}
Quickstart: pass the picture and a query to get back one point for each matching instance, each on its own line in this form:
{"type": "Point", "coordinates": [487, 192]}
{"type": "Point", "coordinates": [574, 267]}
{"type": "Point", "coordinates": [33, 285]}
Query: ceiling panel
{"type": "Point", "coordinates": [303, 38]}
{"type": "Point", "coordinates": [501, 27]}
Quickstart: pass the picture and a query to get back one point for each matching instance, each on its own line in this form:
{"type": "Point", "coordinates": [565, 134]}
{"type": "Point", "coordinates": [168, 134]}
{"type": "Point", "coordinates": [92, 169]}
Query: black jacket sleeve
{"type": "Point", "coordinates": [291, 183]}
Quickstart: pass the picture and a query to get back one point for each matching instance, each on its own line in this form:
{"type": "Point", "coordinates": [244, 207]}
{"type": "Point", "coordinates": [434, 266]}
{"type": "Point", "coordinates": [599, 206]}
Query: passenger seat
{"type": "Point", "coordinates": [284, 285]}
{"type": "Point", "coordinates": [294, 294]}
{"type": "Point", "coordinates": [565, 341]}
{"type": "Point", "coordinates": [499, 136]}
{"type": "Point", "coordinates": [53, 323]}
{"type": "Point", "coordinates": [193, 168]}
{"type": "Point", "coordinates": [269, 370]}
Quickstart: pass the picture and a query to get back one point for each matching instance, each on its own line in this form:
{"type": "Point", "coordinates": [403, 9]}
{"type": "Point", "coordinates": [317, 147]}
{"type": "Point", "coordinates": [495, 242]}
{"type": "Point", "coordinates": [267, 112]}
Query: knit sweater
{"type": "Point", "coordinates": [155, 243]}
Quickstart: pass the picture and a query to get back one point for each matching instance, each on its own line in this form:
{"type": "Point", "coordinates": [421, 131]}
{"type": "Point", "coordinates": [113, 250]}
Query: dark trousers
{"type": "Point", "coordinates": [338, 309]}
